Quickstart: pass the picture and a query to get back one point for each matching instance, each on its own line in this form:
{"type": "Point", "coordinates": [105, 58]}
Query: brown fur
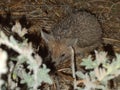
{"type": "Point", "coordinates": [80, 30]}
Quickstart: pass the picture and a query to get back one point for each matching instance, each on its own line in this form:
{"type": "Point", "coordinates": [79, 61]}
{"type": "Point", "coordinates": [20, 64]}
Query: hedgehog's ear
{"type": "Point", "coordinates": [70, 42]}
{"type": "Point", "coordinates": [47, 37]}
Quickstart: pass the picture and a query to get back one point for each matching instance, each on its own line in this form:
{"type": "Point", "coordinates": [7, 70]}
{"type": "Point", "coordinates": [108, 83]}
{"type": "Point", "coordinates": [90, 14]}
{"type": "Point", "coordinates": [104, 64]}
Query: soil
{"type": "Point", "coordinates": [44, 14]}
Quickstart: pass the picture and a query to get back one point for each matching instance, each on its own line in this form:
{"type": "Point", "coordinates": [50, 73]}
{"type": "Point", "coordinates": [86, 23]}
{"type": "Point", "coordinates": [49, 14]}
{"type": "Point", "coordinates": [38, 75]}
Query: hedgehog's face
{"type": "Point", "coordinates": [60, 52]}
{"type": "Point", "coordinates": [59, 48]}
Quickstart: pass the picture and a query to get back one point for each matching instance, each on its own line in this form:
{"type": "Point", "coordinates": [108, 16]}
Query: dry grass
{"type": "Point", "coordinates": [48, 12]}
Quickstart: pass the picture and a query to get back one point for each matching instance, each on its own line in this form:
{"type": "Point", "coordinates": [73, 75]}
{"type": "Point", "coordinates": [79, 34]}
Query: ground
{"type": "Point", "coordinates": [43, 14]}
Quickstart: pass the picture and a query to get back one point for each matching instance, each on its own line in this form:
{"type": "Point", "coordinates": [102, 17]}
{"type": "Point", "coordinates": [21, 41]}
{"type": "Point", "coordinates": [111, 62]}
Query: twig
{"type": "Point", "coordinates": [80, 82]}
{"type": "Point", "coordinates": [73, 67]}
{"type": "Point", "coordinates": [110, 39]}
{"type": "Point", "coordinates": [62, 69]}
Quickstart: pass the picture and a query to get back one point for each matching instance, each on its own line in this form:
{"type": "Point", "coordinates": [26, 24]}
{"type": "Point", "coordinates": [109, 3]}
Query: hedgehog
{"type": "Point", "coordinates": [80, 30]}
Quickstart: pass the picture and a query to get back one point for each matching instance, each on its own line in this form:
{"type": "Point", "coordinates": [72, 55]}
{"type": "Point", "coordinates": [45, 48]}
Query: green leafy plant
{"type": "Point", "coordinates": [101, 70]}
{"type": "Point", "coordinates": [37, 72]}
{"type": "Point", "coordinates": [3, 66]}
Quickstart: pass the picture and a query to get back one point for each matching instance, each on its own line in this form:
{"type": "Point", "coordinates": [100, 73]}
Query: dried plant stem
{"type": "Point", "coordinates": [73, 67]}
{"type": "Point", "coordinates": [110, 39]}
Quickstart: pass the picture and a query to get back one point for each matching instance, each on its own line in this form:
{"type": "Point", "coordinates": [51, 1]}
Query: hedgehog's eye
{"type": "Point", "coordinates": [62, 55]}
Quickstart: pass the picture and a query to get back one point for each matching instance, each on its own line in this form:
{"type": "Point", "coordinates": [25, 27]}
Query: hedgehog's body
{"type": "Point", "coordinates": [82, 26]}
{"type": "Point", "coordinates": [80, 29]}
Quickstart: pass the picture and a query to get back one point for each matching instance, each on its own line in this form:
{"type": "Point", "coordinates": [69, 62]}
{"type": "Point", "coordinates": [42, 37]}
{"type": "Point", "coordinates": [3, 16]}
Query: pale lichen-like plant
{"type": "Point", "coordinates": [3, 66]}
{"type": "Point", "coordinates": [33, 74]}
{"type": "Point", "coordinates": [101, 70]}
